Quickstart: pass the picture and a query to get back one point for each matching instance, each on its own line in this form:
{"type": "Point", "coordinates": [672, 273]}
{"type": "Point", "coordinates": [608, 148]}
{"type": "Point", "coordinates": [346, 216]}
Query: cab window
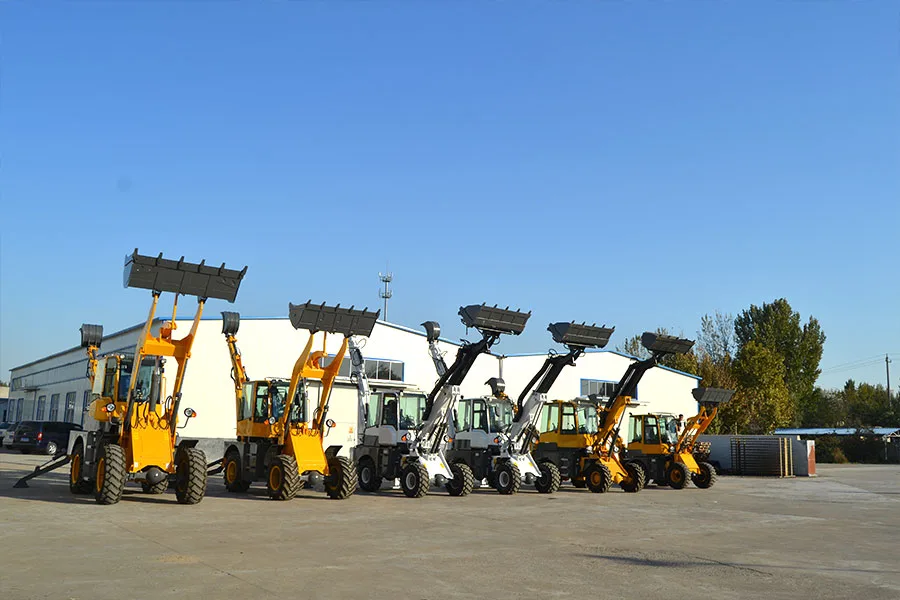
{"type": "Point", "coordinates": [637, 429]}
{"type": "Point", "coordinates": [298, 405]}
{"type": "Point", "coordinates": [651, 431]}
{"type": "Point", "coordinates": [372, 409]}
{"type": "Point", "coordinates": [479, 415]}
{"type": "Point", "coordinates": [109, 379]}
{"type": "Point", "coordinates": [550, 419]}
{"type": "Point", "coordinates": [568, 419]}
{"type": "Point", "coordinates": [246, 396]}
{"type": "Point", "coordinates": [463, 418]}
{"type": "Point", "coordinates": [412, 410]}
{"type": "Point", "coordinates": [389, 410]}
{"type": "Point", "coordinates": [261, 403]}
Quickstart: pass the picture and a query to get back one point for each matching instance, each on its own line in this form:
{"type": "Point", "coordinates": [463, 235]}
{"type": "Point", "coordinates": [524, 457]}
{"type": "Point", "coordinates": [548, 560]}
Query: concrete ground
{"type": "Point", "coordinates": [831, 537]}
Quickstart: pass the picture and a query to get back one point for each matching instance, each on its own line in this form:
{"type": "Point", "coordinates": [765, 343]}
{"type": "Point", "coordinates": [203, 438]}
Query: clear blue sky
{"type": "Point", "coordinates": [629, 163]}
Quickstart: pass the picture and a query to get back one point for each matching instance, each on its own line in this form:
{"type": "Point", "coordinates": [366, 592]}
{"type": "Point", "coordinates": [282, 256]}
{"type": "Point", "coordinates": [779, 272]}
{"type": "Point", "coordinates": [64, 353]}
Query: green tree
{"type": "Point", "coordinates": [778, 327]}
{"type": "Point", "coordinates": [761, 402]}
{"type": "Point", "coordinates": [716, 336]}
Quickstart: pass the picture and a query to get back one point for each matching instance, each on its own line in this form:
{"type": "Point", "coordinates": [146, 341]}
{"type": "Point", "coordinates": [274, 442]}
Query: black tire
{"type": "Point", "coordinates": [598, 478]}
{"type": "Point", "coordinates": [414, 480]}
{"type": "Point", "coordinates": [341, 481]}
{"type": "Point", "coordinates": [463, 481]}
{"type": "Point", "coordinates": [111, 474]}
{"type": "Point", "coordinates": [190, 475]}
{"type": "Point", "coordinates": [233, 472]}
{"type": "Point", "coordinates": [155, 488]}
{"type": "Point", "coordinates": [369, 479]}
{"type": "Point", "coordinates": [677, 475]}
{"type": "Point", "coordinates": [77, 483]}
{"type": "Point", "coordinates": [508, 478]}
{"type": "Point", "coordinates": [550, 478]}
{"type": "Point", "coordinates": [636, 478]}
{"type": "Point", "coordinates": [51, 448]}
{"type": "Point", "coordinates": [283, 480]}
{"type": "Point", "coordinates": [707, 476]}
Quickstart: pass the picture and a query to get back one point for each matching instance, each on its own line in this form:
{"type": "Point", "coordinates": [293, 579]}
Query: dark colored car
{"type": "Point", "coordinates": [49, 437]}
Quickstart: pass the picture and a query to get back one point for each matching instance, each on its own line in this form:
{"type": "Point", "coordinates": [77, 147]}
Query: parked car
{"type": "Point", "coordinates": [50, 437]}
{"type": "Point", "coordinates": [6, 433]}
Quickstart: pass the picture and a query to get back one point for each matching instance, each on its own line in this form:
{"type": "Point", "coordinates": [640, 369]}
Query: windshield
{"type": "Point", "coordinates": [500, 416]}
{"type": "Point", "coordinates": [144, 379]}
{"type": "Point", "coordinates": [668, 425]}
{"type": "Point", "coordinates": [412, 410]}
{"type": "Point", "coordinates": [587, 419]}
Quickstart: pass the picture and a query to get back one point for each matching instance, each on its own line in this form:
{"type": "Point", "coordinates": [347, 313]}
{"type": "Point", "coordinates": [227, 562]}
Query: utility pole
{"type": "Point", "coordinates": [887, 368]}
{"type": "Point", "coordinates": [386, 293]}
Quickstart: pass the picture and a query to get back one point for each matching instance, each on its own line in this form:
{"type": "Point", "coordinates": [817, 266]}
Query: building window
{"type": "Point", "coordinates": [85, 404]}
{"type": "Point", "coordinates": [39, 415]}
{"type": "Point", "coordinates": [376, 368]}
{"type": "Point", "coordinates": [70, 408]}
{"type": "Point", "coordinates": [54, 407]}
{"type": "Point", "coordinates": [20, 406]}
{"type": "Point", "coordinates": [598, 387]}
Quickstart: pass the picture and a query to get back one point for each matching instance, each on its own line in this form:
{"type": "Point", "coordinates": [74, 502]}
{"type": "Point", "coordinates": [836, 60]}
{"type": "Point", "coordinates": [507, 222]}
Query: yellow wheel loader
{"type": "Point", "coordinates": [579, 439]}
{"type": "Point", "coordinates": [278, 440]}
{"type": "Point", "coordinates": [666, 456]}
{"type": "Point", "coordinates": [136, 438]}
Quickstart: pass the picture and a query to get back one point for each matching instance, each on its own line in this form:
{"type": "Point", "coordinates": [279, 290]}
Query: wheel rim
{"type": "Point", "coordinates": [51, 448]}
{"type": "Point", "coordinates": [596, 479]}
{"type": "Point", "coordinates": [101, 472]}
{"type": "Point", "coordinates": [231, 472]}
{"type": "Point", "coordinates": [411, 479]}
{"type": "Point", "coordinates": [503, 479]}
{"type": "Point", "coordinates": [275, 477]}
{"type": "Point", "coordinates": [676, 475]}
{"type": "Point", "coordinates": [365, 474]}
{"type": "Point", "coordinates": [75, 476]}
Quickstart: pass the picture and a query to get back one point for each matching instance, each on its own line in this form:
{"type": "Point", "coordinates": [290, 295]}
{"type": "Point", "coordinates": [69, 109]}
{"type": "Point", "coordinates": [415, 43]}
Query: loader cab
{"type": "Point", "coordinates": [391, 414]}
{"type": "Point", "coordinates": [479, 420]}
{"type": "Point", "coordinates": [569, 423]}
{"type": "Point", "coordinates": [263, 404]}
{"type": "Point", "coordinates": [652, 434]}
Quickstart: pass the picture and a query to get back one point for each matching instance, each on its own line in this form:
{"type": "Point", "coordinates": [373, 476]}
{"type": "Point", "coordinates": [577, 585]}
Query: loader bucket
{"type": "Point", "coordinates": [665, 344]}
{"type": "Point", "coordinates": [91, 335]}
{"type": "Point", "coordinates": [332, 319]}
{"type": "Point", "coordinates": [179, 277]}
{"type": "Point", "coordinates": [582, 336]}
{"type": "Point", "coordinates": [432, 330]}
{"type": "Point", "coordinates": [498, 386]}
{"type": "Point", "coordinates": [491, 319]}
{"type": "Point", "coordinates": [231, 321]}
{"type": "Point", "coordinates": [707, 395]}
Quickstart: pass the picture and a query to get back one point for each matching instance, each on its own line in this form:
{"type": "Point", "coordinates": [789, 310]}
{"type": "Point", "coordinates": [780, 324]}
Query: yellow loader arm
{"type": "Point", "coordinates": [709, 400]}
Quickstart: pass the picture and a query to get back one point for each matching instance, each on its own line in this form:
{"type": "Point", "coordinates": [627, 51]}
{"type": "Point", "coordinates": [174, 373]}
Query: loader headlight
{"type": "Point", "coordinates": [448, 439]}
{"type": "Point", "coordinates": [190, 413]}
{"type": "Point", "coordinates": [111, 407]}
{"type": "Point", "coordinates": [271, 420]}
{"type": "Point", "coordinates": [497, 440]}
{"type": "Point", "coordinates": [330, 423]}
{"type": "Point", "coordinates": [671, 449]}
{"type": "Point", "coordinates": [404, 437]}
{"type": "Point", "coordinates": [589, 449]}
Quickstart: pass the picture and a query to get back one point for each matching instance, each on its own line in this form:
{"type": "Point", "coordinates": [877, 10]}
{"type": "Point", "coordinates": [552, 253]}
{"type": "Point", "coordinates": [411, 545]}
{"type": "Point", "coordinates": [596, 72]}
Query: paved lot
{"type": "Point", "coordinates": [831, 537]}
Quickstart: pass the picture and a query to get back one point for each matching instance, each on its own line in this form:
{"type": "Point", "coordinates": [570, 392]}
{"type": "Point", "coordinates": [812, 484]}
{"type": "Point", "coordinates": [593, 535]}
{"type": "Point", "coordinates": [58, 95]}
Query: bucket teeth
{"type": "Point", "coordinates": [580, 335]}
{"type": "Point", "coordinates": [492, 319]}
{"type": "Point", "coordinates": [179, 277]}
{"type": "Point", "coordinates": [332, 319]}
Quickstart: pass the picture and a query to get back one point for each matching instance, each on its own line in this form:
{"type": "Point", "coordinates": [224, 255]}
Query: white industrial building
{"type": "Point", "coordinates": [56, 387]}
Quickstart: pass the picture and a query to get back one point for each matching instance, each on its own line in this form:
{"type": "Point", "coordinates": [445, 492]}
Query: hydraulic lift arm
{"type": "Point", "coordinates": [659, 346]}
{"type": "Point", "coordinates": [709, 400]}
{"type": "Point", "coordinates": [577, 338]}
{"type": "Point", "coordinates": [491, 323]}
{"type": "Point", "coordinates": [231, 321]}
